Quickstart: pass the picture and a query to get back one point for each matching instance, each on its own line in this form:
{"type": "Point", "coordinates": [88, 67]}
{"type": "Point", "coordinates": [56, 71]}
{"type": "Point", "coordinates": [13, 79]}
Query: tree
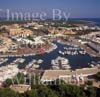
{"type": "Point", "coordinates": [91, 92]}
{"type": "Point", "coordinates": [44, 91]}
{"type": "Point", "coordinates": [19, 79]}
{"type": "Point", "coordinates": [35, 81]}
{"type": "Point", "coordinates": [32, 93]}
{"type": "Point", "coordinates": [98, 76]}
{"type": "Point", "coordinates": [8, 82]}
{"type": "Point", "coordinates": [8, 93]}
{"type": "Point", "coordinates": [64, 90]}
{"type": "Point", "coordinates": [89, 83]}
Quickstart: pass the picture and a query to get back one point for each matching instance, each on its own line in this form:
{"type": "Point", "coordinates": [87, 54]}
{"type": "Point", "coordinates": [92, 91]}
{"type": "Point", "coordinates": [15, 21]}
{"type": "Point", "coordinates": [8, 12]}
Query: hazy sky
{"type": "Point", "coordinates": [77, 8]}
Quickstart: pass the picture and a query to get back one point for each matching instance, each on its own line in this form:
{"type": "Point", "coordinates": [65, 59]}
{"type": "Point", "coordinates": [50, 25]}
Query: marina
{"type": "Point", "coordinates": [3, 60]}
{"type": "Point", "coordinates": [34, 64]}
{"type": "Point", "coordinates": [72, 52]}
{"type": "Point", "coordinates": [77, 58]}
{"type": "Point", "coordinates": [60, 63]}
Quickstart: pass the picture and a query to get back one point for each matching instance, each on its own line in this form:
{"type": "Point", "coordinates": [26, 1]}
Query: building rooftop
{"type": "Point", "coordinates": [20, 88]}
{"type": "Point", "coordinates": [55, 74]}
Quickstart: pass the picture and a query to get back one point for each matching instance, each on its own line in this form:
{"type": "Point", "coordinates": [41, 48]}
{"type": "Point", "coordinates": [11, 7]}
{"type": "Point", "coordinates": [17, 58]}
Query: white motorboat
{"type": "Point", "coordinates": [39, 61]}
{"type": "Point", "coordinates": [60, 63]}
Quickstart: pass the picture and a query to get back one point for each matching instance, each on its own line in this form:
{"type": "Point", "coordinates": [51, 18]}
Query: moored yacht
{"type": "Point", "coordinates": [60, 63]}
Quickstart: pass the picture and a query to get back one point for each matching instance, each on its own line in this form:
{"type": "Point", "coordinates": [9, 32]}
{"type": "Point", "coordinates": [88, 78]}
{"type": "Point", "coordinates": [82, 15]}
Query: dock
{"type": "Point", "coordinates": [88, 50]}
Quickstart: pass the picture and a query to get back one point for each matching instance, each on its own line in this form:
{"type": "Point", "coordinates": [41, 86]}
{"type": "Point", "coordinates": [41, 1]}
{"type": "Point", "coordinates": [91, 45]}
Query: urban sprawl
{"type": "Point", "coordinates": [20, 40]}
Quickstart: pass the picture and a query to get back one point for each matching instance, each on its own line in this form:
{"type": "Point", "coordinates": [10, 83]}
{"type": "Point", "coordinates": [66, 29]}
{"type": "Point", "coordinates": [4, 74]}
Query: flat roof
{"type": "Point", "coordinates": [54, 74]}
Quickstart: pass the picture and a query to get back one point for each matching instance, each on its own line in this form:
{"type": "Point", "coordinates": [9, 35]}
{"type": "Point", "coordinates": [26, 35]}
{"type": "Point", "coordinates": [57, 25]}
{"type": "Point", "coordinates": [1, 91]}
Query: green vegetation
{"type": "Point", "coordinates": [64, 90]}
{"type": "Point", "coordinates": [97, 76]}
{"type": "Point", "coordinates": [9, 93]}
{"type": "Point", "coordinates": [8, 82]}
{"type": "Point", "coordinates": [30, 38]}
{"type": "Point", "coordinates": [59, 90]}
{"type": "Point", "coordinates": [90, 83]}
{"type": "Point", "coordinates": [5, 22]}
{"type": "Point", "coordinates": [69, 23]}
{"type": "Point", "coordinates": [19, 79]}
{"type": "Point", "coordinates": [86, 32]}
{"type": "Point", "coordinates": [4, 30]}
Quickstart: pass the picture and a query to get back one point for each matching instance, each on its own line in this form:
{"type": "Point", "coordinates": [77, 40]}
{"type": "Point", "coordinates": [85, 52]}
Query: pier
{"type": "Point", "coordinates": [86, 48]}
{"type": "Point", "coordinates": [89, 50]}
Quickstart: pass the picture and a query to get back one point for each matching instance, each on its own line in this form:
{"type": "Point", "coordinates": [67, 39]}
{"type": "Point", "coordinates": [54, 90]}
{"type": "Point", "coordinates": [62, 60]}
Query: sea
{"type": "Point", "coordinates": [96, 20]}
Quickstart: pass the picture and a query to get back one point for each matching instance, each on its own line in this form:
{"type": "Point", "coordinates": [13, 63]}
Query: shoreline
{"type": "Point", "coordinates": [53, 47]}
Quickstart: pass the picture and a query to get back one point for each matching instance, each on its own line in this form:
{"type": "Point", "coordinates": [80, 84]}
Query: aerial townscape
{"type": "Point", "coordinates": [50, 58]}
